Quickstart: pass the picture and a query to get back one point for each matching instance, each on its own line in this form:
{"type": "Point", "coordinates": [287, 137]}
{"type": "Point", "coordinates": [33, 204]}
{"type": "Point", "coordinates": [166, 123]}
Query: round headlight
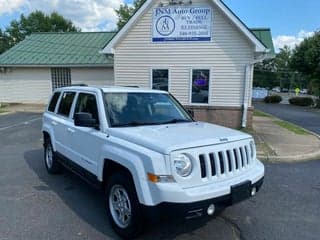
{"type": "Point", "coordinates": [183, 165]}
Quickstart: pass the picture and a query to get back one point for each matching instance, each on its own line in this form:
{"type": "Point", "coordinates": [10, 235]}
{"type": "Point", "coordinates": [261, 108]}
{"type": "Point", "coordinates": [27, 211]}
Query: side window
{"type": "Point", "coordinates": [53, 102]}
{"type": "Point", "coordinates": [200, 86]}
{"type": "Point", "coordinates": [87, 103]}
{"type": "Point", "coordinates": [160, 79]}
{"type": "Point", "coordinates": [66, 103]}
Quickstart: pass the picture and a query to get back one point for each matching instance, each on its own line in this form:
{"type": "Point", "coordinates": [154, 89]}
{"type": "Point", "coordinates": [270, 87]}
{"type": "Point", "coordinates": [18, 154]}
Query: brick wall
{"type": "Point", "coordinates": [225, 116]}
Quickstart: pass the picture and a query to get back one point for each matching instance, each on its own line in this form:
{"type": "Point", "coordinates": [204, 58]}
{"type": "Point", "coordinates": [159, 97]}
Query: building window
{"type": "Point", "coordinates": [200, 86]}
{"type": "Point", "coordinates": [160, 79]}
{"type": "Point", "coordinates": [60, 77]}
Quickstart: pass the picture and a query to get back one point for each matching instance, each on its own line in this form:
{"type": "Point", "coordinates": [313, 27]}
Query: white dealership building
{"type": "Point", "coordinates": [199, 51]}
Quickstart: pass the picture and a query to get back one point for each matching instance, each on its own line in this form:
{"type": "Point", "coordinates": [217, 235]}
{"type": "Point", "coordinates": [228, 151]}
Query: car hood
{"type": "Point", "coordinates": [170, 137]}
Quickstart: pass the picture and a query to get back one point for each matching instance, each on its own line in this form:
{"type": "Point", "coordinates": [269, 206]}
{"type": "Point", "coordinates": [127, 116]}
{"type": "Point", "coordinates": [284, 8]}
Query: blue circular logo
{"type": "Point", "coordinates": [165, 25]}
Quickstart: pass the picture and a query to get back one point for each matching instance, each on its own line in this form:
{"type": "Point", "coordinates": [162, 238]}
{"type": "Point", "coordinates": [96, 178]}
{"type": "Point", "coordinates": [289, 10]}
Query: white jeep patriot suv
{"type": "Point", "coordinates": [148, 153]}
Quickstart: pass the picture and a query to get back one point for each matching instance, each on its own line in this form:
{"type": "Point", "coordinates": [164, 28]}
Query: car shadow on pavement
{"type": "Point", "coordinates": [88, 204]}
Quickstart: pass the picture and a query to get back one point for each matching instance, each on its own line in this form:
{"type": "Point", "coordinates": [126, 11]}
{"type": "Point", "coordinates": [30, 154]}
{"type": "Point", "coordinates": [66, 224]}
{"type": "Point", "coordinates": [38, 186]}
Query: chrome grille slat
{"type": "Point", "coordinates": [202, 166]}
{"type": "Point", "coordinates": [213, 165]}
{"type": "Point", "coordinates": [217, 164]}
{"type": "Point", "coordinates": [226, 163]}
{"type": "Point", "coordinates": [223, 163]}
{"type": "Point", "coordinates": [208, 165]}
{"type": "Point", "coordinates": [247, 154]}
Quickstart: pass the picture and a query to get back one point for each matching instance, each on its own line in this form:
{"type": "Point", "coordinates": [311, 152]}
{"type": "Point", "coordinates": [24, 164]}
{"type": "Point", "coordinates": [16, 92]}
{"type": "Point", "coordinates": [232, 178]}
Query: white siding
{"type": "Point", "coordinates": [92, 76]}
{"type": "Point", "coordinates": [226, 56]}
{"type": "Point", "coordinates": [33, 85]}
{"type": "Point", "coordinates": [27, 85]}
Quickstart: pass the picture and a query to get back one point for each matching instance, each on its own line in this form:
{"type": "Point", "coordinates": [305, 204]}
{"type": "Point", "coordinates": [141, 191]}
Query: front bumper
{"type": "Point", "coordinates": [196, 209]}
{"type": "Point", "coordinates": [174, 193]}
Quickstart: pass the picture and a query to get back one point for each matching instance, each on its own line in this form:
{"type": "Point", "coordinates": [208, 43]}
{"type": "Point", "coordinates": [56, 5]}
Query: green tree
{"type": "Point", "coordinates": [35, 22]}
{"type": "Point", "coordinates": [125, 12]}
{"type": "Point", "coordinates": [4, 41]}
{"type": "Point", "coordinates": [274, 72]}
{"type": "Point", "coordinates": [306, 59]}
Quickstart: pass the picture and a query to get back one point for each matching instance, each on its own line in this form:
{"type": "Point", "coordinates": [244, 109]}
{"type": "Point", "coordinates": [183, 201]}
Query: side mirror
{"type": "Point", "coordinates": [191, 112]}
{"type": "Point", "coordinates": [82, 119]}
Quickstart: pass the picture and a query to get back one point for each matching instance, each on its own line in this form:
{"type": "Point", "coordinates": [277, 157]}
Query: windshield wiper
{"type": "Point", "coordinates": [177, 120]}
{"type": "Point", "coordinates": [133, 124]}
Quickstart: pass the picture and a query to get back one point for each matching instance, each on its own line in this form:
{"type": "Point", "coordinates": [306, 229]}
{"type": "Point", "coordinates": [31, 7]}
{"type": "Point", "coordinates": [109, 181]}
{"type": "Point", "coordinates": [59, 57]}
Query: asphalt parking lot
{"type": "Point", "coordinates": [305, 117]}
{"type": "Point", "coordinates": [35, 205]}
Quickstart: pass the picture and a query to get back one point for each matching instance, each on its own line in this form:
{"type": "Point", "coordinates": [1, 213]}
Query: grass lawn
{"type": "Point", "coordinates": [258, 113]}
{"type": "Point", "coordinates": [3, 108]}
{"type": "Point", "coordinates": [291, 127]}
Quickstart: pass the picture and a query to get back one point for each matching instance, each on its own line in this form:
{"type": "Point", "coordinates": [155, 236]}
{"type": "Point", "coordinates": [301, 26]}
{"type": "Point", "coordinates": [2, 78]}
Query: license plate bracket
{"type": "Point", "coordinates": [240, 192]}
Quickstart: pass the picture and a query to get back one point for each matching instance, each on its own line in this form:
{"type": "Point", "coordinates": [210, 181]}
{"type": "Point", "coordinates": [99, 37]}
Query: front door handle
{"type": "Point", "coordinates": [71, 130]}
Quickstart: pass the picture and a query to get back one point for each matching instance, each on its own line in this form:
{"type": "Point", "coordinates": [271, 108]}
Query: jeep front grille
{"type": "Point", "coordinates": [225, 162]}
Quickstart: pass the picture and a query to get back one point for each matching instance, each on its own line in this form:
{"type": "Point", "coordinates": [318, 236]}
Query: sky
{"type": "Point", "coordinates": [290, 20]}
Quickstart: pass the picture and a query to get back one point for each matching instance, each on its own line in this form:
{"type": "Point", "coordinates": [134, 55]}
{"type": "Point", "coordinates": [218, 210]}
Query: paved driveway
{"type": "Point", "coordinates": [36, 206]}
{"type": "Point", "coordinates": [303, 116]}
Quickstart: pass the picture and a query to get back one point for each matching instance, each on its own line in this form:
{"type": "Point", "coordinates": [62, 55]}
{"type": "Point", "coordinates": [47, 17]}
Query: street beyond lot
{"type": "Point", "coordinates": [35, 205]}
{"type": "Point", "coordinates": [305, 117]}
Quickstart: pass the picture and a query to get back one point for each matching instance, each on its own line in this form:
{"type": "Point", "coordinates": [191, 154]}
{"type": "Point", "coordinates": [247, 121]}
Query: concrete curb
{"type": "Point", "coordinates": [6, 113]}
{"type": "Point", "coordinates": [295, 158]}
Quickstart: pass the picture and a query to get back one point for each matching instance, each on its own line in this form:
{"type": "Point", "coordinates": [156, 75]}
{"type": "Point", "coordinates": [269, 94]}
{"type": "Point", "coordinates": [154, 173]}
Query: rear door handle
{"type": "Point", "coordinates": [71, 130]}
{"type": "Point", "coordinates": [54, 123]}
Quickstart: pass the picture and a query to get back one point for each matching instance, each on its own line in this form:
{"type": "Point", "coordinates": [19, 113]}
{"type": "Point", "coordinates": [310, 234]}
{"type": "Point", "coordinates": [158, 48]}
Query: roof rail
{"type": "Point", "coordinates": [132, 86]}
{"type": "Point", "coordinates": [79, 85]}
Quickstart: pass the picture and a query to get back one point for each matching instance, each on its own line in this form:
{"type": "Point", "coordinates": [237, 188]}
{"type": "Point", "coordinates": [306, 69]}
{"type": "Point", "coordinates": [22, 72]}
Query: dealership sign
{"type": "Point", "coordinates": [172, 24]}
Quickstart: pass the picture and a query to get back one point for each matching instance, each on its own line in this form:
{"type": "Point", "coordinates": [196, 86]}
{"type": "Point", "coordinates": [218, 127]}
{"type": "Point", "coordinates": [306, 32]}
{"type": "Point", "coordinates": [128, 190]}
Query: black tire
{"type": "Point", "coordinates": [123, 181]}
{"type": "Point", "coordinates": [53, 166]}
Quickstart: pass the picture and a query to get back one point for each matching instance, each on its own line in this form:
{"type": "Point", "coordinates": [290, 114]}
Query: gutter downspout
{"type": "Point", "coordinates": [247, 85]}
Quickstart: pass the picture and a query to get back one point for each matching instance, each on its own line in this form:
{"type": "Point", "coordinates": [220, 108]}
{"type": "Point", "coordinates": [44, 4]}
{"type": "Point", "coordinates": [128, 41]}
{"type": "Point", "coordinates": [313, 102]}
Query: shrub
{"type": "Point", "coordinates": [301, 101]}
{"type": "Point", "coordinates": [272, 99]}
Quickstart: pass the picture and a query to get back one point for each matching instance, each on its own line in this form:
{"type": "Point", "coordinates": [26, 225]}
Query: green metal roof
{"type": "Point", "coordinates": [59, 49]}
{"type": "Point", "coordinates": [264, 35]}
{"type": "Point", "coordinates": [77, 49]}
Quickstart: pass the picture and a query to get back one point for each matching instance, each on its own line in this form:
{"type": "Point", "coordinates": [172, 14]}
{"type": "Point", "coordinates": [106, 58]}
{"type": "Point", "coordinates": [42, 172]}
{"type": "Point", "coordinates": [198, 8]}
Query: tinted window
{"type": "Point", "coordinates": [66, 103]}
{"type": "Point", "coordinates": [53, 102]}
{"type": "Point", "coordinates": [200, 86]}
{"type": "Point", "coordinates": [87, 103]}
{"type": "Point", "coordinates": [135, 109]}
{"type": "Point", "coordinates": [160, 79]}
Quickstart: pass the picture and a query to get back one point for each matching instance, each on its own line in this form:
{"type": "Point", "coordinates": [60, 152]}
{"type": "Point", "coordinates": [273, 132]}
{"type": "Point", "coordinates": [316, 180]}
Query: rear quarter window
{"type": "Point", "coordinates": [53, 102]}
{"type": "Point", "coordinates": [66, 103]}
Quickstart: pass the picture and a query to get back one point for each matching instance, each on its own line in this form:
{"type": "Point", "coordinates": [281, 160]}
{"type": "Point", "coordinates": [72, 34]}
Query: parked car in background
{"type": "Point", "coordinates": [276, 89]}
{"type": "Point", "coordinates": [304, 91]}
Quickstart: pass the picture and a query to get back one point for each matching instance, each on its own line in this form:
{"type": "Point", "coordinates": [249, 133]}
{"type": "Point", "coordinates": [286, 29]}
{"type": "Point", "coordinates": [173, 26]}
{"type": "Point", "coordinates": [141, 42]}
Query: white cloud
{"type": "Point", "coordinates": [291, 41]}
{"type": "Point", "coordinates": [89, 15]}
{"type": "Point", "coordinates": [10, 6]}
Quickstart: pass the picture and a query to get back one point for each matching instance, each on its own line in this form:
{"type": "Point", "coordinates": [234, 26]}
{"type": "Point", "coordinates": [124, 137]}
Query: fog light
{"type": "Point", "coordinates": [253, 191]}
{"type": "Point", "coordinates": [211, 209]}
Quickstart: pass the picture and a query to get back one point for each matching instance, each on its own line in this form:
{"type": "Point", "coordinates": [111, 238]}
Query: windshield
{"type": "Point", "coordinates": [136, 109]}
